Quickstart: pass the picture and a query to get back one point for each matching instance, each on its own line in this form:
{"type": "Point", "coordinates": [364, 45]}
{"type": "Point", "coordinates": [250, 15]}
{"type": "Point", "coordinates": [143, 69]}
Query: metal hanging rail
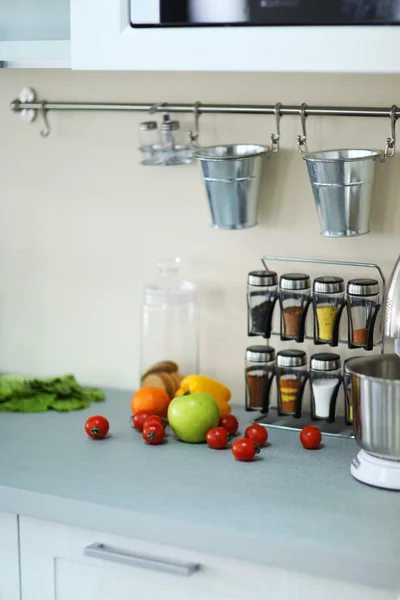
{"type": "Point", "coordinates": [236, 109]}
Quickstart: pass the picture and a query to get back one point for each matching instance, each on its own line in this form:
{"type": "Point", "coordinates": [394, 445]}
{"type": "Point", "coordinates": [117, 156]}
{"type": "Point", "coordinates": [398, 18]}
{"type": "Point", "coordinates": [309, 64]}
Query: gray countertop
{"type": "Point", "coordinates": [291, 508]}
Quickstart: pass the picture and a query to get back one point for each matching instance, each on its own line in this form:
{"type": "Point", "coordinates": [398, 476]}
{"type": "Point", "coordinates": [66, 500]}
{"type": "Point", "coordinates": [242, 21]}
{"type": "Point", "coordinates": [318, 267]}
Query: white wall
{"type": "Point", "coordinates": [83, 224]}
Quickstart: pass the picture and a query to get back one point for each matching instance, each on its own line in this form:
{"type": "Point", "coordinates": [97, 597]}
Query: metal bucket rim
{"type": "Point", "coordinates": [259, 150]}
{"type": "Point", "coordinates": [348, 370]}
{"type": "Point", "coordinates": [320, 156]}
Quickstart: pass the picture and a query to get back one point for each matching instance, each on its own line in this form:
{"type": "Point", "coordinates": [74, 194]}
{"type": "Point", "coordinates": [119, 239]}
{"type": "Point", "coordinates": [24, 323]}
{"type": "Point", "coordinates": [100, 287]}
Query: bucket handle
{"type": "Point", "coordinates": [390, 149]}
{"type": "Point", "coordinates": [275, 137]}
{"type": "Point", "coordinates": [302, 139]}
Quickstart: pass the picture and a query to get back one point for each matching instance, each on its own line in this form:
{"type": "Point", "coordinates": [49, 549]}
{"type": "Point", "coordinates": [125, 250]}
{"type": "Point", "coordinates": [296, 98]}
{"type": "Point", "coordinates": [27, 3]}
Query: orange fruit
{"type": "Point", "coordinates": [153, 399]}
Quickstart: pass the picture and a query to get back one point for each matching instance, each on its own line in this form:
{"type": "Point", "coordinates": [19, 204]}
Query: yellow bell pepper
{"type": "Point", "coordinates": [197, 384]}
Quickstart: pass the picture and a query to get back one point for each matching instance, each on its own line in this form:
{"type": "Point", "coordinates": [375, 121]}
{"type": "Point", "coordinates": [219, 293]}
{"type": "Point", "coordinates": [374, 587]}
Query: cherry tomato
{"type": "Point", "coordinates": [245, 449]}
{"type": "Point", "coordinates": [139, 418]}
{"type": "Point", "coordinates": [217, 438]}
{"type": "Point", "coordinates": [257, 433]}
{"type": "Point", "coordinates": [97, 427]}
{"type": "Point", "coordinates": [310, 437]}
{"type": "Point", "coordinates": [153, 433]}
{"type": "Point", "coordinates": [153, 419]}
{"type": "Point", "coordinates": [230, 423]}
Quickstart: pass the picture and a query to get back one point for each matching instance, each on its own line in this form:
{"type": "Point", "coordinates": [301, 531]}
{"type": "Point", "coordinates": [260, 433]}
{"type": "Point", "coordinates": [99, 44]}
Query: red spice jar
{"type": "Point", "coordinates": [363, 304]}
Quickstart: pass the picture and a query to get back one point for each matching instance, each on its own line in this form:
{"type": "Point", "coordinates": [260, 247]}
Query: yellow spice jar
{"type": "Point", "coordinates": [328, 298]}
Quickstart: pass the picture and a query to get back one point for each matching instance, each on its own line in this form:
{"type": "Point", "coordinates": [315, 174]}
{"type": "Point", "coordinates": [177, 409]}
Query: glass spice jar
{"type": "Point", "coordinates": [262, 289]}
{"type": "Point", "coordinates": [325, 381]}
{"type": "Point", "coordinates": [328, 300]}
{"type": "Point", "coordinates": [291, 377]}
{"type": "Point", "coordinates": [294, 298]}
{"type": "Point", "coordinates": [150, 143]}
{"type": "Point", "coordinates": [259, 370]}
{"type": "Point", "coordinates": [363, 304]}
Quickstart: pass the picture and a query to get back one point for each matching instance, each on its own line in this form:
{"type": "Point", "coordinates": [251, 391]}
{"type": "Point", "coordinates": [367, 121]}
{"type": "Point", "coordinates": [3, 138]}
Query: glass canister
{"type": "Point", "coordinates": [174, 147]}
{"type": "Point", "coordinates": [325, 382]}
{"type": "Point", "coordinates": [328, 300]}
{"type": "Point", "coordinates": [294, 299]}
{"type": "Point", "coordinates": [291, 377]}
{"type": "Point", "coordinates": [259, 370]}
{"type": "Point", "coordinates": [150, 143]}
{"type": "Point", "coordinates": [363, 304]}
{"type": "Point", "coordinates": [262, 295]}
{"type": "Point", "coordinates": [170, 321]}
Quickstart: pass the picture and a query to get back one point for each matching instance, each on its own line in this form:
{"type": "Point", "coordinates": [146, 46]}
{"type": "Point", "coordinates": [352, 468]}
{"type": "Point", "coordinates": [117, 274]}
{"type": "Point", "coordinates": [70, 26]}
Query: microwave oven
{"type": "Point", "coordinates": [237, 13]}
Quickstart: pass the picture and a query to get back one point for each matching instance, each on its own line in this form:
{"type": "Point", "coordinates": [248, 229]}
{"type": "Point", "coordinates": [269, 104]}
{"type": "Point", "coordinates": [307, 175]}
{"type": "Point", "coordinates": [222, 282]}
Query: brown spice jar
{"type": "Point", "coordinates": [257, 384]}
{"type": "Point", "coordinates": [291, 319]}
{"type": "Point", "coordinates": [289, 389]}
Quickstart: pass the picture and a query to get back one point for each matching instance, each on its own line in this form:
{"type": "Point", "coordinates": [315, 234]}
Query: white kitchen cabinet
{"type": "Point", "coordinates": [55, 566]}
{"type": "Point", "coordinates": [103, 38]}
{"type": "Point", "coordinates": [34, 31]}
{"type": "Point", "coordinates": [9, 557]}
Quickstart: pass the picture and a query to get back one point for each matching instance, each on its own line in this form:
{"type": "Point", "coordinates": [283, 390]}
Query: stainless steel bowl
{"type": "Point", "coordinates": [375, 389]}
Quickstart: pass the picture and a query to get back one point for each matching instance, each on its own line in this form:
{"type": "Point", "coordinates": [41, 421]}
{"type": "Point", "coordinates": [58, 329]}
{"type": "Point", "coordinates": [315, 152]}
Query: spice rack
{"type": "Point", "coordinates": [338, 425]}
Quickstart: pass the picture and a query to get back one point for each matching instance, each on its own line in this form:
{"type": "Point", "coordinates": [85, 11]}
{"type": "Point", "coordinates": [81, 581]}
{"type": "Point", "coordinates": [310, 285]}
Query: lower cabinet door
{"type": "Point", "coordinates": [9, 557]}
{"type": "Point", "coordinates": [66, 563]}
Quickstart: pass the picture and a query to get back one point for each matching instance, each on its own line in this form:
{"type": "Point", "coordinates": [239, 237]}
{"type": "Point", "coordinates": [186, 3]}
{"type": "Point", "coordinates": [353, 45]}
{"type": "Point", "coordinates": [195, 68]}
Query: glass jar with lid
{"type": "Point", "coordinates": [325, 382]}
{"type": "Point", "coordinates": [150, 144]}
{"type": "Point", "coordinates": [363, 304]}
{"type": "Point", "coordinates": [294, 299]}
{"type": "Point", "coordinates": [259, 370]}
{"type": "Point", "coordinates": [328, 300]}
{"type": "Point", "coordinates": [174, 147]}
{"type": "Point", "coordinates": [262, 295]}
{"type": "Point", "coordinates": [291, 378]}
{"type": "Point", "coordinates": [170, 321]}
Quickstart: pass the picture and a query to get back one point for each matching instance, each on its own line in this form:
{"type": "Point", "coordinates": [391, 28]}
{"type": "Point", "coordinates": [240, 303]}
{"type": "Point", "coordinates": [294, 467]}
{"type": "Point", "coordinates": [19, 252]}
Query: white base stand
{"type": "Point", "coordinates": [379, 472]}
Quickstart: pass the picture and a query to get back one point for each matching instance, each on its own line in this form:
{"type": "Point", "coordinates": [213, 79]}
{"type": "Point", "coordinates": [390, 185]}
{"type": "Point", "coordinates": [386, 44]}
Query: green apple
{"type": "Point", "coordinates": [192, 416]}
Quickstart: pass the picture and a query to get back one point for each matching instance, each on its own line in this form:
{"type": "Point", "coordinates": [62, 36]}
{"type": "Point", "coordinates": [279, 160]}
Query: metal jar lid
{"type": "Point", "coordinates": [262, 278]}
{"type": "Point", "coordinates": [148, 126]}
{"type": "Point", "coordinates": [260, 354]}
{"type": "Point", "coordinates": [325, 361]}
{"type": "Point", "coordinates": [295, 281]}
{"type": "Point", "coordinates": [291, 358]}
{"type": "Point", "coordinates": [328, 285]}
{"type": "Point", "coordinates": [363, 287]}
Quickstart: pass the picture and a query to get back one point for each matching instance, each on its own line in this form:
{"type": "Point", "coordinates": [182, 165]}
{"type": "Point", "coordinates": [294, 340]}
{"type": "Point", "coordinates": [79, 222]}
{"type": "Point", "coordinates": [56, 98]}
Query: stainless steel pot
{"type": "Point", "coordinates": [375, 389]}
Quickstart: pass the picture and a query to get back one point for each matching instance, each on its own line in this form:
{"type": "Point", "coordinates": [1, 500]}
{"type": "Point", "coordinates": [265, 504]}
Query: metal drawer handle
{"type": "Point", "coordinates": [104, 552]}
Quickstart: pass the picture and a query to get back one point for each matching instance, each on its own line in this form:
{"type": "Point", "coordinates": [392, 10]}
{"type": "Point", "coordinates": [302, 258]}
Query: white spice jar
{"type": "Point", "coordinates": [325, 381]}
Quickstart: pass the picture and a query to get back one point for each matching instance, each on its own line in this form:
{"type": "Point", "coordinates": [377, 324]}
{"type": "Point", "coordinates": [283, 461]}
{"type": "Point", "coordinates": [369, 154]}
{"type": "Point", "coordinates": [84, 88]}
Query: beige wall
{"type": "Point", "coordinates": [83, 224]}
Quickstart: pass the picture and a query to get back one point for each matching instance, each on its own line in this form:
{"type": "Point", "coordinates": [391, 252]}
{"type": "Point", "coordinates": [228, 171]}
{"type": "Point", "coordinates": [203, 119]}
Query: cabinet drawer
{"type": "Point", "coordinates": [9, 557]}
{"type": "Point", "coordinates": [66, 563]}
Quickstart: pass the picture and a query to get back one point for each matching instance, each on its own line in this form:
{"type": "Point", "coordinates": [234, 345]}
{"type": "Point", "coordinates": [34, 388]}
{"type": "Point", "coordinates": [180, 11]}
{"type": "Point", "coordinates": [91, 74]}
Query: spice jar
{"type": "Point", "coordinates": [260, 364]}
{"type": "Point", "coordinates": [348, 393]}
{"type": "Point", "coordinates": [291, 377]}
{"type": "Point", "coordinates": [328, 299]}
{"type": "Point", "coordinates": [363, 304]}
{"type": "Point", "coordinates": [294, 298]}
{"type": "Point", "coordinates": [150, 145]}
{"type": "Point", "coordinates": [325, 380]}
{"type": "Point", "coordinates": [261, 298]}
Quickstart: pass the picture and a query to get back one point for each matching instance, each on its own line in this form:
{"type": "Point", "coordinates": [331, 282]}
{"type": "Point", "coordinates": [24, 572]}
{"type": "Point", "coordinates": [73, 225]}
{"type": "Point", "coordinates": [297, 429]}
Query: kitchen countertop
{"type": "Point", "coordinates": [291, 508]}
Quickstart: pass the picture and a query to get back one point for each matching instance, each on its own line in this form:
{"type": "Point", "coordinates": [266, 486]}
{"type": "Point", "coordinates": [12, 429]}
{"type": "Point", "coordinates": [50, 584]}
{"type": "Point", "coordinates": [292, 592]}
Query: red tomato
{"type": "Point", "coordinates": [139, 418]}
{"type": "Point", "coordinates": [153, 433]}
{"type": "Point", "coordinates": [245, 449]}
{"type": "Point", "coordinates": [153, 419]}
{"type": "Point", "coordinates": [217, 438]}
{"type": "Point", "coordinates": [310, 437]}
{"type": "Point", "coordinates": [230, 423]}
{"type": "Point", "coordinates": [257, 433]}
{"type": "Point", "coordinates": [97, 427]}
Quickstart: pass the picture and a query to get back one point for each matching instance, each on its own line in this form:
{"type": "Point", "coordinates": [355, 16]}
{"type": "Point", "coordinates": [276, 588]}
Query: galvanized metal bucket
{"type": "Point", "coordinates": [232, 175]}
{"type": "Point", "coordinates": [342, 183]}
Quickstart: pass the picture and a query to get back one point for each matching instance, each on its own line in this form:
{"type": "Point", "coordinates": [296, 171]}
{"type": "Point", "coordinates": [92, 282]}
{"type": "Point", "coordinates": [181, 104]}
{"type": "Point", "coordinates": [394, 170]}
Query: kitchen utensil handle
{"type": "Point", "coordinates": [105, 552]}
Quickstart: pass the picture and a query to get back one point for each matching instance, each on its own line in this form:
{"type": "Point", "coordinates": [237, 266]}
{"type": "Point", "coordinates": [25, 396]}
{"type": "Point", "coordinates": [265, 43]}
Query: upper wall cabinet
{"type": "Point", "coordinates": [236, 35]}
{"type": "Point", "coordinates": [34, 31]}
